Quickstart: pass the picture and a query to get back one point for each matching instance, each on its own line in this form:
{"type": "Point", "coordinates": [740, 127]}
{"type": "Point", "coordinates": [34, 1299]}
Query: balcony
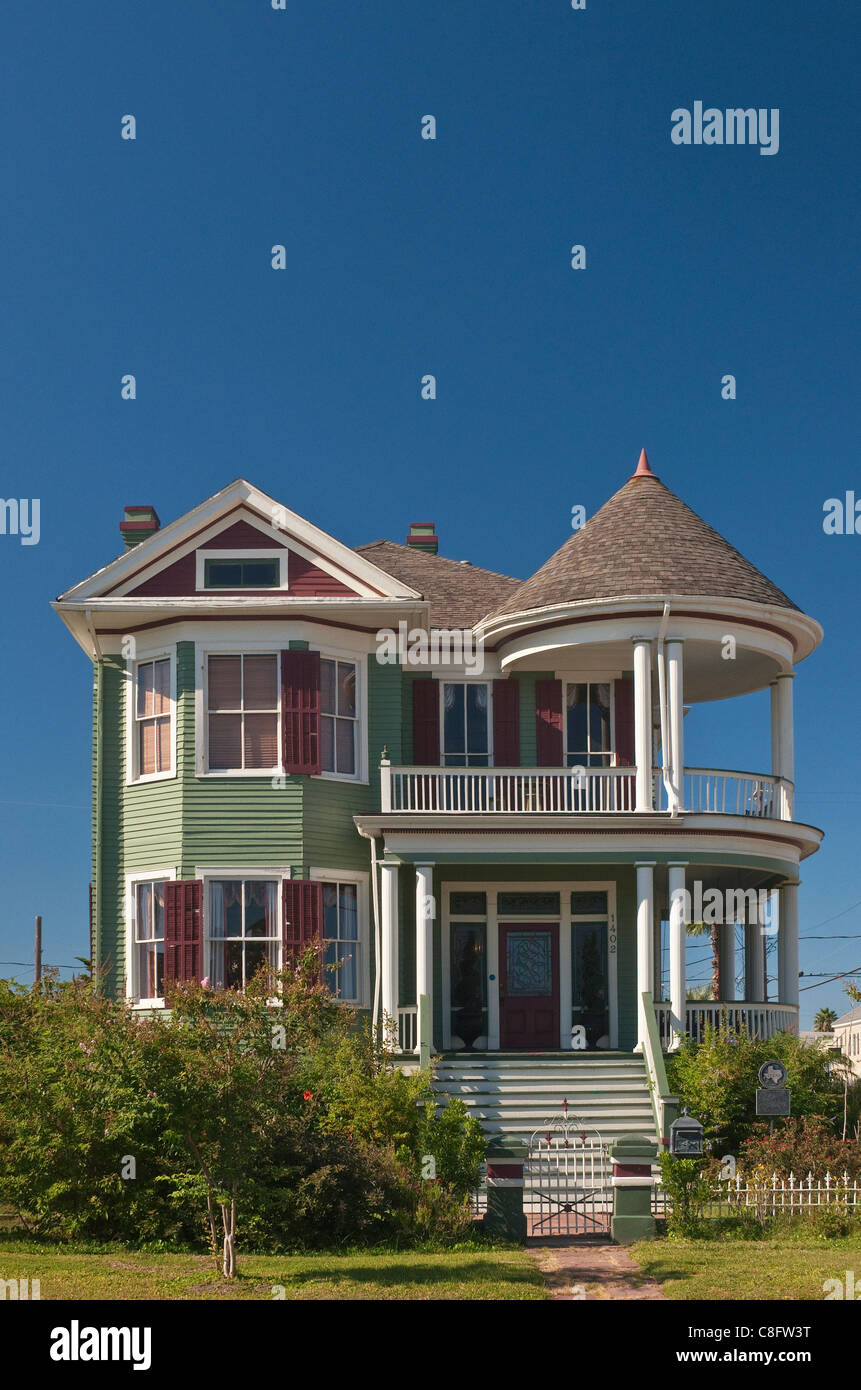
{"type": "Point", "coordinates": [577, 791]}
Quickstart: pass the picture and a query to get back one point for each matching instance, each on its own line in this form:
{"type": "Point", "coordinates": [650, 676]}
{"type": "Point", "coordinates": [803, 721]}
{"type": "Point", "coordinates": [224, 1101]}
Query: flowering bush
{"type": "Point", "coordinates": [800, 1145]}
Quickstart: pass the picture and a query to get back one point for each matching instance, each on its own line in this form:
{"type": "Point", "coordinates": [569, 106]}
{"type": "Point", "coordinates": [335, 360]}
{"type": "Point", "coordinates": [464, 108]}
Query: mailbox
{"type": "Point", "coordinates": [686, 1137]}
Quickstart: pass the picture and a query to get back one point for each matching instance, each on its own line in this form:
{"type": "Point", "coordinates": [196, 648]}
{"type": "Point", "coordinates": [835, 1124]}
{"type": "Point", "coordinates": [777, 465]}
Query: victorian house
{"type": "Point", "coordinates": [498, 845]}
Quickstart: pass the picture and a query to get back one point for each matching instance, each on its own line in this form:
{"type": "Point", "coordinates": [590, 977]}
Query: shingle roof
{"type": "Point", "coordinates": [459, 593]}
{"type": "Point", "coordinates": [645, 540]}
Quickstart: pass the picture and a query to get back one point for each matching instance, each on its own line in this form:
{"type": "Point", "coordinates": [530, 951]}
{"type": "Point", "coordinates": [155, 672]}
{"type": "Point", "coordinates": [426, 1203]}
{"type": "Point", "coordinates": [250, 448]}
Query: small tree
{"type": "Point", "coordinates": [824, 1020]}
{"type": "Point", "coordinates": [224, 1070]}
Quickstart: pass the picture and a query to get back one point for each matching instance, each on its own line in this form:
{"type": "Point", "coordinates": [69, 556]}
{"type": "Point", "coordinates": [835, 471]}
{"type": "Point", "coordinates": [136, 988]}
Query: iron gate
{"type": "Point", "coordinates": [567, 1188]}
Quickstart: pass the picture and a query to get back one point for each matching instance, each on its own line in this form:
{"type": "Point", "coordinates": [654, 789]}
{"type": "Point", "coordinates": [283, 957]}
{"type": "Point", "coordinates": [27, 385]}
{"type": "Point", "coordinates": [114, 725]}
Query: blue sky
{"type": "Point", "coordinates": [404, 257]}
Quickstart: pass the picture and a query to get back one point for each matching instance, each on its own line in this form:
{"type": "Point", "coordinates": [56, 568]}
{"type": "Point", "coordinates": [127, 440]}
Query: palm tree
{"type": "Point", "coordinates": [824, 1021]}
{"type": "Point", "coordinates": [711, 930]}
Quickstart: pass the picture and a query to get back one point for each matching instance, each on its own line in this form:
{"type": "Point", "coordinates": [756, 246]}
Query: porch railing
{"type": "Point", "coordinates": [589, 791]}
{"type": "Point", "coordinates": [727, 793]}
{"type": "Point", "coordinates": [759, 1020]}
{"type": "Point", "coordinates": [408, 1029]}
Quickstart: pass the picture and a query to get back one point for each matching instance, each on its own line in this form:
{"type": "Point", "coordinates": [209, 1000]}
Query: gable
{"type": "Point", "coordinates": [305, 579]}
{"type": "Point", "coordinates": [239, 518]}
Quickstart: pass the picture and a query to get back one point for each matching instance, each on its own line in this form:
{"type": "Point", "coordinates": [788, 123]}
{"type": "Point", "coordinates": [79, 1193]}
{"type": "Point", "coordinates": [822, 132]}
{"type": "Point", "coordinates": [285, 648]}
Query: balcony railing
{"type": "Point", "coordinates": [713, 790]}
{"type": "Point", "coordinates": [759, 1020]}
{"type": "Point", "coordinates": [509, 790]}
{"type": "Point", "coordinates": [585, 791]}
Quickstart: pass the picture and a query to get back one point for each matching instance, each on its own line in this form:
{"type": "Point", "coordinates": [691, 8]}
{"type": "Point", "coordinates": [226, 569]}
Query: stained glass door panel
{"type": "Point", "coordinates": [528, 986]}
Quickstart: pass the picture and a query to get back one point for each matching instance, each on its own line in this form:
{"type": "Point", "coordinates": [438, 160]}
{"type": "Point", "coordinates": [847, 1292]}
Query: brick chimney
{"type": "Point", "coordinates": [139, 523]}
{"type": "Point", "coordinates": [423, 536]}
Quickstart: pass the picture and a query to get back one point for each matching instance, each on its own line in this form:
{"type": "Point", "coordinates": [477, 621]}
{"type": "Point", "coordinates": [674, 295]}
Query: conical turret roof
{"type": "Point", "coordinates": [644, 540]}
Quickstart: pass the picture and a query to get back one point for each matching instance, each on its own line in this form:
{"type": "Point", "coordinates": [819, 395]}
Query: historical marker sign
{"type": "Point", "coordinates": [773, 1102]}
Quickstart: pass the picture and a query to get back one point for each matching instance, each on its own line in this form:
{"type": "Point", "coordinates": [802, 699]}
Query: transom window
{"type": "Point", "coordinates": [243, 712]}
{"type": "Point", "coordinates": [587, 724]}
{"type": "Point", "coordinates": [242, 574]}
{"type": "Point", "coordinates": [341, 945]}
{"type": "Point", "coordinates": [339, 717]}
{"type": "Point", "coordinates": [149, 940]}
{"type": "Point", "coordinates": [152, 717]}
{"type": "Point", "coordinates": [465, 724]}
{"type": "Point", "coordinates": [242, 930]}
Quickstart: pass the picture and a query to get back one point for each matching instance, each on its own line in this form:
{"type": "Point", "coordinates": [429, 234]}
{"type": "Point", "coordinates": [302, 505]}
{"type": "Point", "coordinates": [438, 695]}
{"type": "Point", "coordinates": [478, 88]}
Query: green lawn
{"type": "Point", "coordinates": [793, 1267]}
{"type": "Point", "coordinates": [465, 1274]}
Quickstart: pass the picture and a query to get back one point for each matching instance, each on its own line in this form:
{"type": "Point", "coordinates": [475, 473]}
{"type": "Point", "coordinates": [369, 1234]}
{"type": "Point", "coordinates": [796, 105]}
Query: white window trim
{"type": "Point", "coordinates": [564, 918]}
{"type": "Point", "coordinates": [141, 658]}
{"type": "Point", "coordinates": [203, 745]}
{"type": "Point", "coordinates": [458, 680]}
{"type": "Point", "coordinates": [275, 874]}
{"type": "Point", "coordinates": [360, 776]}
{"type": "Point", "coordinates": [131, 883]}
{"type": "Point", "coordinates": [362, 881]}
{"type": "Point", "coordinates": [276, 644]}
{"type": "Point", "coordinates": [590, 680]}
{"type": "Point", "coordinates": [201, 556]}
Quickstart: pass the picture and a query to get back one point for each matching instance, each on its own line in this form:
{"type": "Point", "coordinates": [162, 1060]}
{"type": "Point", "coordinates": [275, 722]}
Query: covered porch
{"type": "Point", "coordinates": [515, 954]}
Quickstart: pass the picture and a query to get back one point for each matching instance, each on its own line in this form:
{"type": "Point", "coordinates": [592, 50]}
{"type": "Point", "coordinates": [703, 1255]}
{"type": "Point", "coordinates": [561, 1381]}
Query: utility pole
{"type": "Point", "coordinates": [38, 973]}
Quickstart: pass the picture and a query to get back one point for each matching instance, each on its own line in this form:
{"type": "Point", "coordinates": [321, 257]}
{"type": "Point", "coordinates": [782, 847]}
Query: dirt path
{"type": "Point", "coordinates": [574, 1272]}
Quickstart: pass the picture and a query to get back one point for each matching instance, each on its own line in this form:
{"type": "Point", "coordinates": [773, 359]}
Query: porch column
{"type": "Point", "coordinates": [726, 961]}
{"type": "Point", "coordinates": [676, 719]}
{"type": "Point", "coordinates": [425, 914]}
{"type": "Point", "coordinates": [787, 944]}
{"type": "Point", "coordinates": [678, 947]}
{"type": "Point", "coordinates": [389, 932]}
{"type": "Point", "coordinates": [645, 963]}
{"type": "Point", "coordinates": [754, 963]}
{"type": "Point", "coordinates": [643, 721]}
{"type": "Point", "coordinates": [783, 737]}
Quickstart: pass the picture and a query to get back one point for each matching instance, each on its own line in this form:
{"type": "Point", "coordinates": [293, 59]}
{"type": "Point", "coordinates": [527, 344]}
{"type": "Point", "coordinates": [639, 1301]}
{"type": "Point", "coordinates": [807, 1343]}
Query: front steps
{"type": "Point", "coordinates": [518, 1093]}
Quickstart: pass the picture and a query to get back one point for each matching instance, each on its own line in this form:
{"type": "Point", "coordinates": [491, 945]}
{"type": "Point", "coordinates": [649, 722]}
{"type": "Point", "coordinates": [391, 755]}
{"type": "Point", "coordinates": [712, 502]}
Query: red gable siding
{"type": "Point", "coordinates": [303, 578]}
{"type": "Point", "coordinates": [308, 581]}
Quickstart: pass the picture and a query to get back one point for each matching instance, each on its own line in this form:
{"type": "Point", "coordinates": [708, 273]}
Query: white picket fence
{"type": "Point", "coordinates": [774, 1196]}
{"type": "Point", "coordinates": [786, 1196]}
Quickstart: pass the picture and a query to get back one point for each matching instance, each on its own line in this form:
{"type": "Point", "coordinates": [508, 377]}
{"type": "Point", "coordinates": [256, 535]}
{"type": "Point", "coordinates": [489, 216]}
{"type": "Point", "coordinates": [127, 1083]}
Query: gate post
{"type": "Point", "coordinates": [505, 1218]}
{"type": "Point", "coordinates": [633, 1156]}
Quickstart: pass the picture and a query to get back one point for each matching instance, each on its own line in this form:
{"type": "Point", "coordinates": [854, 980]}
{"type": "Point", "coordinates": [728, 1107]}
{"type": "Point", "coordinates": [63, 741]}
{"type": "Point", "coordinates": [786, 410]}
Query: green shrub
{"type": "Point", "coordinates": [717, 1081]}
{"type": "Point", "coordinates": [688, 1191]}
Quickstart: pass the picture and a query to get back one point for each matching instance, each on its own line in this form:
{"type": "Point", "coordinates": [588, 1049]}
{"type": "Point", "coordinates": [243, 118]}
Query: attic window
{"type": "Point", "coordinates": [254, 571]}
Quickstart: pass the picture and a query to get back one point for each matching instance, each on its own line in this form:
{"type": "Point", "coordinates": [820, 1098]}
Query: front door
{"type": "Point", "coordinates": [528, 985]}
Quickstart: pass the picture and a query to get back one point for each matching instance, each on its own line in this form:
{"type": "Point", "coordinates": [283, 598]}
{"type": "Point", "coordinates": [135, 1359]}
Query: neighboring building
{"type": "Point", "coordinates": [255, 766]}
{"type": "Point", "coordinates": [846, 1032]}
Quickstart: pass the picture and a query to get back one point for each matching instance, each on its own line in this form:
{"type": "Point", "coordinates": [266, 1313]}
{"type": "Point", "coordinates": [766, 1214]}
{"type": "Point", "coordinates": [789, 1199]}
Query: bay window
{"type": "Point", "coordinates": [242, 930]}
{"type": "Point", "coordinates": [243, 712]}
{"type": "Point", "coordinates": [339, 717]}
{"type": "Point", "coordinates": [341, 945]}
{"type": "Point", "coordinates": [153, 752]}
{"type": "Point", "coordinates": [148, 941]}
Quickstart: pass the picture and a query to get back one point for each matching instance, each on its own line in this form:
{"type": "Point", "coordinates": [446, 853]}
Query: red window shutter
{"type": "Point", "coordinates": [506, 723]}
{"type": "Point", "coordinates": [300, 712]}
{"type": "Point", "coordinates": [301, 917]}
{"type": "Point", "coordinates": [426, 723]}
{"type": "Point", "coordinates": [624, 693]}
{"type": "Point", "coordinates": [548, 715]}
{"type": "Point", "coordinates": [183, 933]}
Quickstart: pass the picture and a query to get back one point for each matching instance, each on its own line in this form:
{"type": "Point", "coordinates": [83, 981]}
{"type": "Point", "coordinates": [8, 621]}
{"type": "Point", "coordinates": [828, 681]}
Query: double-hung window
{"type": "Point", "coordinates": [242, 930]}
{"type": "Point", "coordinates": [465, 724]}
{"type": "Point", "coordinates": [148, 965]}
{"type": "Point", "coordinates": [341, 944]}
{"type": "Point", "coordinates": [242, 712]}
{"type": "Point", "coordinates": [339, 717]}
{"type": "Point", "coordinates": [152, 718]}
{"type": "Point", "coordinates": [587, 724]}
